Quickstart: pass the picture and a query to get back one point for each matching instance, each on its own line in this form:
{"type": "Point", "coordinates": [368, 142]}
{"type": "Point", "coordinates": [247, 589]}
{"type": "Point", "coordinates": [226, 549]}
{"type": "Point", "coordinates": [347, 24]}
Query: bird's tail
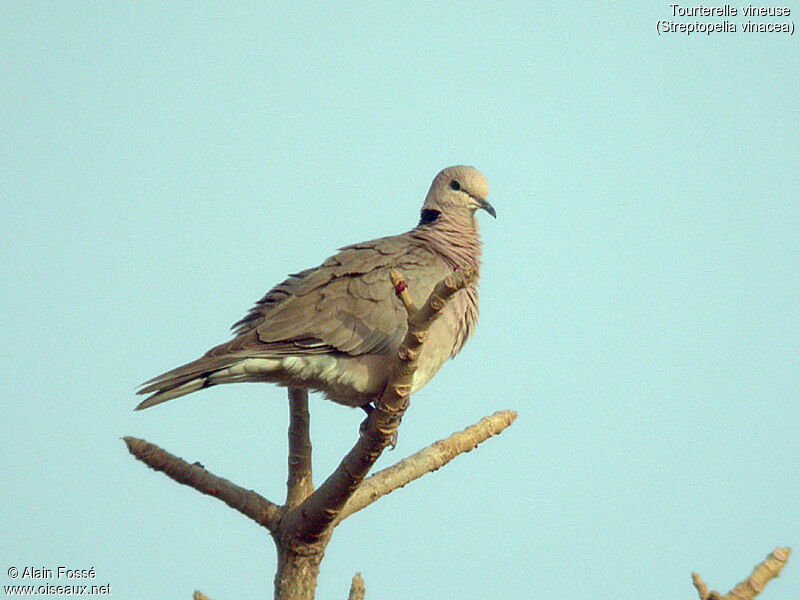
{"type": "Point", "coordinates": [186, 379]}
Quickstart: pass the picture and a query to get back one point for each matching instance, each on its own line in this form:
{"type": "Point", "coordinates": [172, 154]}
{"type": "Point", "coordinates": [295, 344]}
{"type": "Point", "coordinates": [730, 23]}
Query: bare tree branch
{"type": "Point", "coordinates": [425, 461]}
{"type": "Point", "coordinates": [247, 502]}
{"type": "Point", "coordinates": [299, 484]}
{"type": "Point", "coordinates": [753, 585]}
{"type": "Point", "coordinates": [303, 527]}
{"type": "Point", "coordinates": [311, 520]}
{"type": "Point", "coordinates": [357, 589]}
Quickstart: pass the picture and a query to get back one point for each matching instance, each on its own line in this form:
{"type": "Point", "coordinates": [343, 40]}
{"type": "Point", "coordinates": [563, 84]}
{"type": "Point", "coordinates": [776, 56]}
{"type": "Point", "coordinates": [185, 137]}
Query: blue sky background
{"type": "Point", "coordinates": [164, 165]}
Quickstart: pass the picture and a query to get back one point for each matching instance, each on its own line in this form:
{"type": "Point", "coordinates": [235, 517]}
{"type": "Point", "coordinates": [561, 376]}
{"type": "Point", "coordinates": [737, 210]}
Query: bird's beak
{"type": "Point", "coordinates": [487, 207]}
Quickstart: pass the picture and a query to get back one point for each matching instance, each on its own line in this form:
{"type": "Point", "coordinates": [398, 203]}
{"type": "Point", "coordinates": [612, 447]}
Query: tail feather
{"type": "Point", "coordinates": [184, 380]}
{"type": "Point", "coordinates": [207, 371]}
{"type": "Point", "coordinates": [168, 394]}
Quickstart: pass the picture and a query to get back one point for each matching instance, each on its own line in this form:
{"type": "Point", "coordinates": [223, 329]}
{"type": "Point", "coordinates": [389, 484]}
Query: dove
{"type": "Point", "coordinates": [336, 328]}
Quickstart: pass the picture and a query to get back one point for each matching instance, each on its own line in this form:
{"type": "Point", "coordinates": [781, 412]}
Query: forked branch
{"type": "Point", "coordinates": [303, 526]}
{"type": "Point", "coordinates": [313, 518]}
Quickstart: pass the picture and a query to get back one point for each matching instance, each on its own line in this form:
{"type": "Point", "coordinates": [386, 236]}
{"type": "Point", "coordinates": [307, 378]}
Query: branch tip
{"type": "Point", "coordinates": [401, 289]}
{"type": "Point", "coordinates": [700, 586]}
{"type": "Point", "coordinates": [194, 475]}
{"type": "Point", "coordinates": [357, 589]}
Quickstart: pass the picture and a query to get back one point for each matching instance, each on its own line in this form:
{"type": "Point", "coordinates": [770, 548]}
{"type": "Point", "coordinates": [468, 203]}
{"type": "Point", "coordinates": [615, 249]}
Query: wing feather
{"type": "Point", "coordinates": [345, 305]}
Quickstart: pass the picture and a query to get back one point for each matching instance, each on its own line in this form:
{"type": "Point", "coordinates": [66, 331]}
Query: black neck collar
{"type": "Point", "coordinates": [428, 216]}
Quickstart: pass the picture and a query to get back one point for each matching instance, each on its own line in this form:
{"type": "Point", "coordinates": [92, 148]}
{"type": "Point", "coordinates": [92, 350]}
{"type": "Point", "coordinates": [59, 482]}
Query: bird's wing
{"type": "Point", "coordinates": [346, 305]}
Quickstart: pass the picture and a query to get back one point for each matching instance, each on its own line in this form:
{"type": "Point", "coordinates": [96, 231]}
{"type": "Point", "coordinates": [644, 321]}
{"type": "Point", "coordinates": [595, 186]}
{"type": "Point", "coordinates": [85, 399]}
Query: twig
{"type": "Point", "coordinates": [425, 461]}
{"type": "Point", "coordinates": [247, 502]}
{"type": "Point", "coordinates": [700, 586]}
{"type": "Point", "coordinates": [299, 483]}
{"type": "Point", "coordinates": [753, 585]}
{"type": "Point", "coordinates": [357, 589]}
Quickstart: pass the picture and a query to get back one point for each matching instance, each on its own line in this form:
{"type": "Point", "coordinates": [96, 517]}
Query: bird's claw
{"type": "Point", "coordinates": [362, 428]}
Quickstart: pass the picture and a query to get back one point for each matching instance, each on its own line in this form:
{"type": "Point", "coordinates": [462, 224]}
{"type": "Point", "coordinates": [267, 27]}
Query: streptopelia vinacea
{"type": "Point", "coordinates": [336, 328]}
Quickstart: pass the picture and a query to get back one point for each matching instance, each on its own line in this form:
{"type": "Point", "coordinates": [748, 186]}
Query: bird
{"type": "Point", "coordinates": [336, 328]}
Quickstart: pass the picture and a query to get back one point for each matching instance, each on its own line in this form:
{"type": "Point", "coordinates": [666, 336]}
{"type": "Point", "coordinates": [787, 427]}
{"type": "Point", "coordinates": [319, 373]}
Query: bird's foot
{"type": "Point", "coordinates": [369, 409]}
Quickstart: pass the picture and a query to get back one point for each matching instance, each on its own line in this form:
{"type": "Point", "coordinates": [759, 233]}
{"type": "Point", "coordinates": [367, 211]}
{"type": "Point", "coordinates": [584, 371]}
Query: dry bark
{"type": "Point", "coordinates": [748, 589]}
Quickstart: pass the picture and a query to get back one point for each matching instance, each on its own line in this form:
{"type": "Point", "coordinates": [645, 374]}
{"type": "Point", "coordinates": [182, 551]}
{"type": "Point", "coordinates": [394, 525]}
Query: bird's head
{"type": "Point", "coordinates": [457, 191]}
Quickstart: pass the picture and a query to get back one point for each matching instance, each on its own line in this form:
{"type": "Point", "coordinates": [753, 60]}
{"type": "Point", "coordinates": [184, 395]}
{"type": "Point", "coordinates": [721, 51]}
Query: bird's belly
{"type": "Point", "coordinates": [351, 381]}
{"type": "Point", "coordinates": [427, 367]}
{"type": "Point", "coordinates": [343, 379]}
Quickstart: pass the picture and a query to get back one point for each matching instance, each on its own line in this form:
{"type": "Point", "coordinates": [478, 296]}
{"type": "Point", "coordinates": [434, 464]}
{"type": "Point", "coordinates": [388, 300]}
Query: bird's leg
{"type": "Point", "coordinates": [369, 408]}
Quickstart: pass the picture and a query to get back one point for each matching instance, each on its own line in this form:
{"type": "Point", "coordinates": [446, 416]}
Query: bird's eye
{"type": "Point", "coordinates": [454, 185]}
